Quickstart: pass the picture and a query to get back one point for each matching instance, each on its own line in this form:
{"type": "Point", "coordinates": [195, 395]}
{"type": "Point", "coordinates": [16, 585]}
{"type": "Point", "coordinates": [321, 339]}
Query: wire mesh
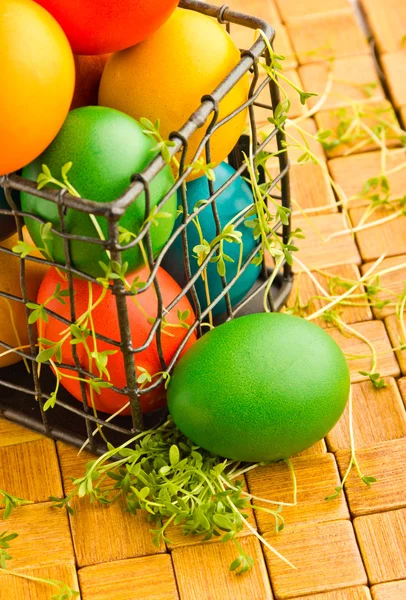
{"type": "Point", "coordinates": [23, 394]}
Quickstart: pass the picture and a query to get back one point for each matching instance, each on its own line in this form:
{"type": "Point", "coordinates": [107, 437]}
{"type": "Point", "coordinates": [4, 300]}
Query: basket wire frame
{"type": "Point", "coordinates": [26, 405]}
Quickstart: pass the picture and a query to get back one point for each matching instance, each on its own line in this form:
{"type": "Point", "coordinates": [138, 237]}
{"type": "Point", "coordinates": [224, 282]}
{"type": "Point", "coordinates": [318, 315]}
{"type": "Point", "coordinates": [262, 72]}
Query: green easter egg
{"type": "Point", "coordinates": [106, 147]}
{"type": "Point", "coordinates": [260, 388]}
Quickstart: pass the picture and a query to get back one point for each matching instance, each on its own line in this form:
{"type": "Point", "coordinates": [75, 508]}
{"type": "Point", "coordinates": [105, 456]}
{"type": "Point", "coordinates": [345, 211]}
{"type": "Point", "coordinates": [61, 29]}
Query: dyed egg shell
{"type": "Point", "coordinates": [100, 26]}
{"type": "Point", "coordinates": [37, 78]}
{"type": "Point", "coordinates": [105, 320]}
{"type": "Point", "coordinates": [89, 70]}
{"type": "Point", "coordinates": [166, 76]}
{"type": "Point", "coordinates": [234, 199]}
{"type": "Point", "coordinates": [106, 148]}
{"type": "Point", "coordinates": [260, 388]}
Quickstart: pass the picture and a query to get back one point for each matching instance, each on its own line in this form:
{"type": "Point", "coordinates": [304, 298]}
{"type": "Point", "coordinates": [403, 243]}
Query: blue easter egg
{"type": "Point", "coordinates": [235, 198]}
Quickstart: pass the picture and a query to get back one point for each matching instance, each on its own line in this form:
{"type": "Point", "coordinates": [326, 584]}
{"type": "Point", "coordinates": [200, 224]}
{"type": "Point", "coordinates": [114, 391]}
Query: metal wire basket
{"type": "Point", "coordinates": [23, 394]}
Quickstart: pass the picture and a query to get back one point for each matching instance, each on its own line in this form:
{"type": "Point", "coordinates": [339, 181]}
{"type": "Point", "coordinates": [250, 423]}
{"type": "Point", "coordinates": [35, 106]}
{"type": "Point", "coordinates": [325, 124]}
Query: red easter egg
{"type": "Point", "coordinates": [102, 26]}
{"type": "Point", "coordinates": [105, 322]}
{"type": "Point", "coordinates": [89, 70]}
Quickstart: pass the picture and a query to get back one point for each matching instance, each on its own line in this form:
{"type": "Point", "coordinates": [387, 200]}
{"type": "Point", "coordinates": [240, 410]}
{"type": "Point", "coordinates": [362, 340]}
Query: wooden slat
{"type": "Point", "coordinates": [307, 290]}
{"type": "Point", "coordinates": [311, 188]}
{"type": "Point", "coordinates": [316, 476]}
{"type": "Point", "coordinates": [317, 251]}
{"type": "Point", "coordinates": [30, 470]}
{"type": "Point", "coordinates": [320, 37]}
{"type": "Point", "coordinates": [388, 238]}
{"type": "Point", "coordinates": [392, 284]}
{"type": "Point", "coordinates": [387, 19]}
{"type": "Point", "coordinates": [394, 68]}
{"type": "Point", "coordinates": [298, 8]}
{"type": "Point", "coordinates": [319, 448]}
{"type": "Point", "coordinates": [352, 593]}
{"type": "Point", "coordinates": [378, 416]}
{"type": "Point", "coordinates": [395, 590]}
{"type": "Point", "coordinates": [43, 537]}
{"type": "Point", "coordinates": [397, 338]}
{"type": "Point", "coordinates": [146, 578]}
{"type": "Point", "coordinates": [264, 9]}
{"type": "Point", "coordinates": [386, 462]}
{"type": "Point", "coordinates": [382, 540]}
{"type": "Point", "coordinates": [203, 572]}
{"type": "Point", "coordinates": [349, 75]}
{"type": "Point", "coordinates": [15, 588]}
{"type": "Point", "coordinates": [120, 534]}
{"type": "Point", "coordinates": [325, 555]}
{"type": "Point", "coordinates": [375, 332]}
{"type": "Point", "coordinates": [330, 119]}
{"type": "Point", "coordinates": [352, 173]}
{"type": "Point", "coordinates": [402, 389]}
{"type": "Point", "coordinates": [134, 538]}
{"type": "Point", "coordinates": [283, 46]}
{"type": "Point", "coordinates": [11, 433]}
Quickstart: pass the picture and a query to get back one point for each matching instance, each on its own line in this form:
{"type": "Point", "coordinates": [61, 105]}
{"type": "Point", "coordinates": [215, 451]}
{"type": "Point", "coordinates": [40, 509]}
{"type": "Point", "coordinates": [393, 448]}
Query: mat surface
{"type": "Point", "coordinates": [353, 547]}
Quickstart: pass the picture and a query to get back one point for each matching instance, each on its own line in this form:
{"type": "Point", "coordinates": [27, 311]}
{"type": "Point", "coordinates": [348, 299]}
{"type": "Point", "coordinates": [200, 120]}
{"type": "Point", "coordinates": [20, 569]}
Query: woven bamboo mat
{"type": "Point", "coordinates": [353, 548]}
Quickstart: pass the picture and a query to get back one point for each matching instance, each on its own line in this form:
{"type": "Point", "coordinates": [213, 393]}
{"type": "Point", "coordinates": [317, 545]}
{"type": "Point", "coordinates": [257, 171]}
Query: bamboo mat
{"type": "Point", "coordinates": [352, 548]}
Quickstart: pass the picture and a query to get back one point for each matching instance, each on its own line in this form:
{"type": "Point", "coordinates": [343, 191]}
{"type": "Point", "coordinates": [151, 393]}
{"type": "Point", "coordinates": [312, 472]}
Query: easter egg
{"type": "Point", "coordinates": [89, 70]}
{"type": "Point", "coordinates": [13, 321]}
{"type": "Point", "coordinates": [260, 388]}
{"type": "Point", "coordinates": [7, 223]}
{"type": "Point", "coordinates": [166, 76]}
{"type": "Point", "coordinates": [100, 26]}
{"type": "Point", "coordinates": [106, 148]}
{"type": "Point", "coordinates": [235, 198]}
{"type": "Point", "coordinates": [140, 309]}
{"type": "Point", "coordinates": [37, 78]}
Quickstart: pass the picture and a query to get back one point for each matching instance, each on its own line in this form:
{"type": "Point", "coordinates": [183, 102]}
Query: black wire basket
{"type": "Point", "coordinates": [25, 391]}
